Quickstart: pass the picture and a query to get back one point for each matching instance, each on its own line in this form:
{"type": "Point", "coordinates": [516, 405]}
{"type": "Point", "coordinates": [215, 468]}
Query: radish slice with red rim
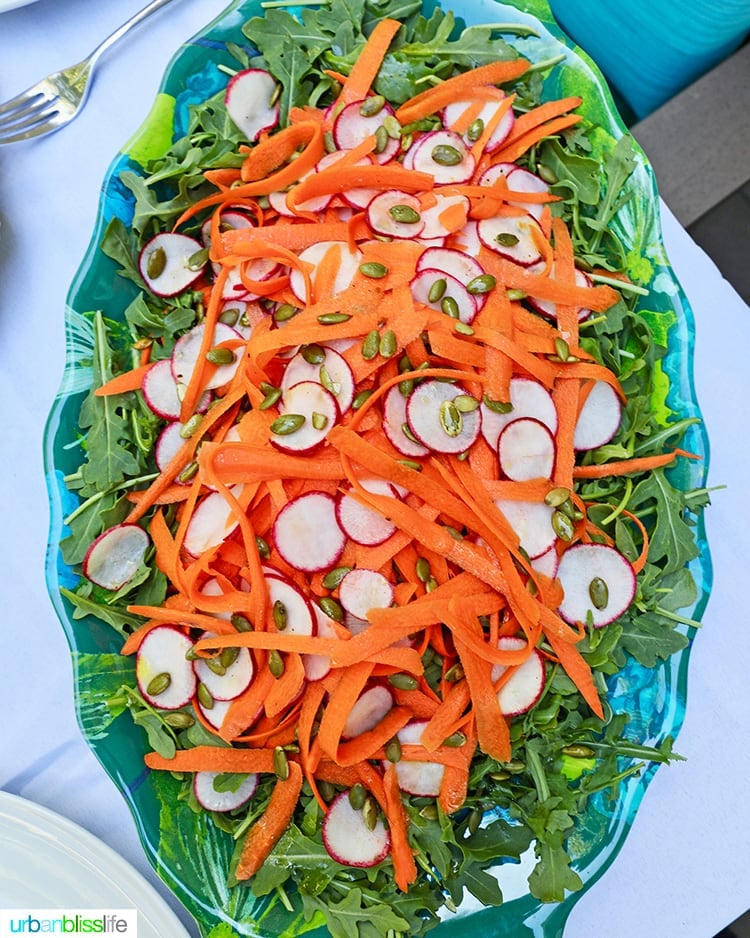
{"type": "Point", "coordinates": [165, 676]}
{"type": "Point", "coordinates": [362, 590]}
{"type": "Point", "coordinates": [599, 419]}
{"type": "Point", "coordinates": [547, 563]}
{"type": "Point", "coordinates": [526, 450]}
{"type": "Point", "coordinates": [367, 711]}
{"type": "Point", "coordinates": [423, 779]}
{"type": "Point", "coordinates": [456, 109]}
{"type": "Point", "coordinates": [187, 350]}
{"type": "Point", "coordinates": [513, 237]}
{"type": "Point", "coordinates": [546, 308]}
{"type": "Point", "coordinates": [230, 682]}
{"type": "Point", "coordinates": [213, 521]}
{"type": "Point", "coordinates": [598, 584]}
{"type": "Point", "coordinates": [451, 296]}
{"type": "Point", "coordinates": [306, 532]}
{"type": "Point", "coordinates": [250, 102]}
{"type": "Point", "coordinates": [523, 180]}
{"type": "Point", "coordinates": [438, 421]}
{"type": "Point", "coordinates": [467, 240]}
{"type": "Point", "coordinates": [525, 685]}
{"type": "Point", "coordinates": [395, 425]}
{"type": "Point", "coordinates": [297, 615]}
{"type": "Point", "coordinates": [168, 444]}
{"type": "Point", "coordinates": [528, 398]}
{"type": "Point", "coordinates": [445, 156]}
{"type": "Point", "coordinates": [160, 392]}
{"type": "Point", "coordinates": [170, 262]}
{"type": "Point", "coordinates": [349, 839]}
{"type": "Point", "coordinates": [462, 267]}
{"type": "Point", "coordinates": [317, 666]}
{"type": "Point", "coordinates": [434, 229]}
{"type": "Point", "coordinates": [333, 372]}
{"type": "Point", "coordinates": [116, 555]}
{"type": "Point", "coordinates": [214, 792]}
{"type": "Point", "coordinates": [532, 522]}
{"type": "Point", "coordinates": [361, 523]}
{"type": "Point", "coordinates": [307, 413]}
{"type": "Point", "coordinates": [395, 214]}
{"type": "Point", "coordinates": [313, 255]}
{"type": "Point", "coordinates": [351, 128]}
{"type": "Point", "coordinates": [214, 715]}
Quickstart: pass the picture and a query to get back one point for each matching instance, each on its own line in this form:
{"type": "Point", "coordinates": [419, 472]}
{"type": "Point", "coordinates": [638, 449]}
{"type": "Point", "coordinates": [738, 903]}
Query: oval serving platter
{"type": "Point", "coordinates": [654, 698]}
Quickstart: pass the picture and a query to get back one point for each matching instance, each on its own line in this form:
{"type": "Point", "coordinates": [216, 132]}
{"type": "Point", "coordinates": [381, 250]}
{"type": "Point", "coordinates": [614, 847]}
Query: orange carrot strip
{"type": "Point", "coordinates": [264, 834]}
{"type": "Point", "coordinates": [626, 466]}
{"type": "Point", "coordinates": [363, 746]}
{"type": "Point", "coordinates": [575, 666]}
{"type": "Point", "coordinates": [244, 710]}
{"type": "Point", "coordinates": [128, 381]}
{"type": "Point", "coordinates": [340, 703]}
{"type": "Point", "coordinates": [366, 68]}
{"type": "Point", "coordinates": [456, 700]}
{"type": "Point", "coordinates": [404, 867]}
{"type": "Point", "coordinates": [287, 686]}
{"type": "Point", "coordinates": [213, 759]}
{"type": "Point", "coordinates": [492, 730]}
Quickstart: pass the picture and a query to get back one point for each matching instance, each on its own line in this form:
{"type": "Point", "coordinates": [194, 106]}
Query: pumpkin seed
{"type": "Point", "coordinates": [241, 623]}
{"type": "Point", "coordinates": [157, 685]}
{"type": "Point", "coordinates": [506, 239]}
{"type": "Point", "coordinates": [454, 674]}
{"type": "Point", "coordinates": [372, 105]}
{"type": "Point", "coordinates": [454, 532]}
{"type": "Point", "coordinates": [327, 790]}
{"type": "Point", "coordinates": [404, 214]}
{"type": "Point", "coordinates": [515, 766]}
{"type": "Point", "coordinates": [500, 776]}
{"type": "Point", "coordinates": [280, 764]}
{"type": "Point", "coordinates": [499, 407]}
{"type": "Point", "coordinates": [361, 398]}
{"type": "Point", "coordinates": [475, 131]}
{"type": "Point", "coordinates": [381, 139]}
{"type": "Point", "coordinates": [562, 525]}
{"type": "Point", "coordinates": [481, 284]}
{"type": "Point", "coordinates": [578, 751]}
{"type": "Point", "coordinates": [357, 796]}
{"type": "Point", "coordinates": [287, 423]}
{"type": "Point", "coordinates": [463, 328]}
{"type": "Point", "coordinates": [557, 496]}
{"type": "Point", "coordinates": [403, 681]}
{"type": "Point", "coordinates": [465, 403]}
{"type": "Point", "coordinates": [319, 421]}
{"type": "Point", "coordinates": [272, 397]}
{"type": "Point", "coordinates": [562, 349]}
{"type": "Point", "coordinates": [371, 345]}
{"type": "Point", "coordinates": [515, 294]}
{"type": "Point", "coordinates": [410, 464]}
{"type": "Point", "coordinates": [142, 344]}
{"type": "Point", "coordinates": [220, 356]}
{"type": "Point", "coordinates": [450, 307]}
{"type": "Point", "coordinates": [392, 126]}
{"type": "Point", "coordinates": [230, 317]}
{"type": "Point", "coordinates": [189, 472]}
{"type": "Point", "coordinates": [455, 740]}
{"type": "Point", "coordinates": [179, 719]}
{"type": "Point", "coordinates": [205, 697]}
{"type": "Point", "coordinates": [284, 312]}
{"type": "Point", "coordinates": [422, 569]}
{"type": "Point", "coordinates": [475, 819]}
{"type": "Point", "coordinates": [156, 262]}
{"type": "Point", "coordinates": [373, 269]}
{"type": "Point", "coordinates": [313, 354]}
{"type": "Point", "coordinates": [406, 387]}
{"type": "Point", "coordinates": [329, 143]}
{"type": "Point", "coordinates": [546, 173]}
{"type": "Point", "coordinates": [332, 608]}
{"type": "Point", "coordinates": [279, 614]}
{"type": "Point", "coordinates": [450, 418]}
{"type": "Point", "coordinates": [275, 663]}
{"type": "Point", "coordinates": [431, 584]}
{"type": "Point", "coordinates": [445, 155]}
{"type": "Point", "coordinates": [599, 592]}
{"type": "Point", "coordinates": [191, 426]}
{"type": "Point", "coordinates": [215, 665]}
{"type": "Point", "coordinates": [406, 141]}
{"type": "Point", "coordinates": [333, 319]}
{"type": "Point", "coordinates": [332, 579]}
{"type": "Point", "coordinates": [275, 95]}
{"type": "Point", "coordinates": [198, 260]}
{"type": "Point", "coordinates": [429, 812]}
{"type": "Point", "coordinates": [370, 813]}
{"type": "Point", "coordinates": [263, 549]}
{"type": "Point", "coordinates": [437, 290]}
{"type": "Point", "coordinates": [406, 430]}
{"type": "Point", "coordinates": [388, 344]}
{"type": "Point", "coordinates": [393, 750]}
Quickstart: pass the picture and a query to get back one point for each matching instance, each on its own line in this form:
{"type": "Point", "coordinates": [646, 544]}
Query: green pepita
{"type": "Point", "coordinates": [275, 663]}
{"type": "Point", "coordinates": [475, 131]}
{"type": "Point", "coordinates": [392, 126]}
{"type": "Point", "coordinates": [179, 719]}
{"type": "Point", "coordinates": [370, 813]}
{"type": "Point", "coordinates": [357, 796]}
{"type": "Point", "coordinates": [263, 549]}
{"type": "Point", "coordinates": [230, 317]}
{"type": "Point", "coordinates": [393, 750]}
{"type": "Point", "coordinates": [445, 155]}
{"type": "Point", "coordinates": [546, 173]}
{"type": "Point", "coordinates": [411, 464]}
{"type": "Point", "coordinates": [407, 431]}
{"type": "Point", "coordinates": [329, 143]}
{"type": "Point", "coordinates": [562, 349]}
{"type": "Point", "coordinates": [429, 812]}
{"type": "Point", "coordinates": [578, 751]}
{"type": "Point", "coordinates": [272, 397]}
{"type": "Point", "coordinates": [557, 496]}
{"type": "Point", "coordinates": [455, 740]}
{"type": "Point", "coordinates": [327, 381]}
{"type": "Point", "coordinates": [156, 262]}
{"type": "Point", "coordinates": [562, 525]}
{"type": "Point", "coordinates": [454, 674]}
{"type": "Point", "coordinates": [287, 423]}
{"type": "Point", "coordinates": [215, 665]}
{"type": "Point", "coordinates": [481, 284]}
{"type": "Point", "coordinates": [371, 345]}
{"type": "Point", "coordinates": [599, 592]}
{"type": "Point", "coordinates": [506, 239]}
{"type": "Point", "coordinates": [332, 608]}
{"type": "Point", "coordinates": [450, 418]}
{"type": "Point", "coordinates": [280, 764]}
{"type": "Point", "coordinates": [388, 344]}
{"type": "Point", "coordinates": [241, 622]}
{"type": "Point", "coordinates": [327, 790]}
{"type": "Point", "coordinates": [361, 398]}
{"type": "Point", "coordinates": [313, 354]}
{"type": "Point", "coordinates": [475, 819]}
{"type": "Point", "coordinates": [403, 681]}
{"type": "Point", "coordinates": [372, 105]}
{"type": "Point", "coordinates": [381, 139]}
{"type": "Point", "coordinates": [514, 295]}
{"type": "Point", "coordinates": [332, 579]}
{"type": "Point", "coordinates": [285, 312]}
{"type": "Point", "coordinates": [515, 766]}
{"type": "Point", "coordinates": [198, 260]}
{"type": "Point", "coordinates": [404, 214]}
{"type": "Point", "coordinates": [190, 427]}
{"type": "Point", "coordinates": [189, 472]}
{"type": "Point", "coordinates": [373, 269]}
{"type": "Point", "coordinates": [437, 290]}
{"type": "Point", "coordinates": [319, 421]}
{"type": "Point", "coordinates": [465, 403]}
{"type": "Point", "coordinates": [422, 569]}
{"type": "Point", "coordinates": [157, 685]}
{"type": "Point", "coordinates": [498, 407]}
{"type": "Point", "coordinates": [279, 614]}
{"type": "Point", "coordinates": [431, 585]}
{"type": "Point", "coordinates": [205, 697]}
{"type": "Point", "coordinates": [220, 356]}
{"type": "Point", "coordinates": [333, 319]}
{"type": "Point", "coordinates": [450, 307]}
{"type": "Point", "coordinates": [463, 328]}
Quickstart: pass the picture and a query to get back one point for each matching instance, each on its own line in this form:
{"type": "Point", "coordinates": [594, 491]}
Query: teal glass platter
{"type": "Point", "coordinates": [186, 851]}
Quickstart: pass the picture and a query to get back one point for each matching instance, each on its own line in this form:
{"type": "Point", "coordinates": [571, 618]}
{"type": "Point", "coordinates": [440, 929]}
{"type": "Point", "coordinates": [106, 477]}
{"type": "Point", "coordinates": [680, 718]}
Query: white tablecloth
{"type": "Point", "coordinates": [683, 869]}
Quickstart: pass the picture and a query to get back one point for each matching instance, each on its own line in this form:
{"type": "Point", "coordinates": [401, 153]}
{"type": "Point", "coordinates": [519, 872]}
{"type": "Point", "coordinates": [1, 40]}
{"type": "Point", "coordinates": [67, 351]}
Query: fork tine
{"type": "Point", "coordinates": [25, 97]}
{"type": "Point", "coordinates": [28, 121]}
{"type": "Point", "coordinates": [38, 130]}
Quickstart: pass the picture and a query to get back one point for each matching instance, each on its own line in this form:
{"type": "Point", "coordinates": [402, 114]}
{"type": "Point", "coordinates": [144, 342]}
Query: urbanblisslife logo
{"type": "Point", "coordinates": [106, 923]}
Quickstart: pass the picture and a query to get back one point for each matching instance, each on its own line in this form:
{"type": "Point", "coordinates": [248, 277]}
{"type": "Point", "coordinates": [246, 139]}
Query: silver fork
{"type": "Point", "coordinates": [56, 100]}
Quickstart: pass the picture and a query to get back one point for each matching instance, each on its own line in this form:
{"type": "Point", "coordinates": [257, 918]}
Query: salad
{"type": "Point", "coordinates": [374, 476]}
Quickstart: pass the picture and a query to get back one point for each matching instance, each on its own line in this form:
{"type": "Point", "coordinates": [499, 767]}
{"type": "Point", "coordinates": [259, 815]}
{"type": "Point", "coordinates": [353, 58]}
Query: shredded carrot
{"type": "Point", "coordinates": [364, 71]}
{"type": "Point", "coordinates": [127, 381]}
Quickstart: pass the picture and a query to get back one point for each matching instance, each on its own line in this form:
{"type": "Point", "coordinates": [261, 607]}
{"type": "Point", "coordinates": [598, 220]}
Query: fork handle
{"type": "Point", "coordinates": [134, 20]}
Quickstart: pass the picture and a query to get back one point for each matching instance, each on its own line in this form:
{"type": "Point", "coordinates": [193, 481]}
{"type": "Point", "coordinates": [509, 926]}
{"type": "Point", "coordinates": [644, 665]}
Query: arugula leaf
{"type": "Point", "coordinates": [649, 638]}
{"type": "Point", "coordinates": [345, 917]}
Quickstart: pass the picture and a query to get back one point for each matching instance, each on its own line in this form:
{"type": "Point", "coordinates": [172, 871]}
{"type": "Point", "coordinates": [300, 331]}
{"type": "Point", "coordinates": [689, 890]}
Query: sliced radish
{"type": "Point", "coordinates": [208, 797]}
{"type": "Point", "coordinates": [467, 240]}
{"type": "Point", "coordinates": [547, 563]}
{"type": "Point", "coordinates": [235, 678]}
{"type": "Point", "coordinates": [168, 444]}
{"type": "Point", "coordinates": [395, 214]}
{"type": "Point", "coordinates": [452, 294]}
{"type": "Point", "coordinates": [214, 715]}
{"type": "Point", "coordinates": [349, 840]}
{"type": "Point", "coordinates": [599, 418]}
{"type": "Point", "coordinates": [435, 420]}
{"type": "Point", "coordinates": [598, 582]}
{"type": "Point", "coordinates": [334, 373]}
{"type": "Point", "coordinates": [297, 611]}
{"type": "Point", "coordinates": [526, 450]}
{"type": "Point", "coordinates": [212, 522]}
{"type": "Point", "coordinates": [165, 676]}
{"type": "Point", "coordinates": [160, 390]}
{"type": "Point", "coordinates": [352, 128]}
{"type": "Point", "coordinates": [434, 228]}
{"type": "Point", "coordinates": [363, 590]}
{"type": "Point", "coordinates": [487, 114]}
{"type": "Point", "coordinates": [367, 711]}
{"type": "Point", "coordinates": [256, 269]}
{"type": "Point", "coordinates": [423, 779]}
{"type": "Point", "coordinates": [311, 401]}
{"type": "Point", "coordinates": [348, 265]}
{"type": "Point", "coordinates": [250, 103]}
{"type": "Point", "coordinates": [497, 171]}
{"type": "Point", "coordinates": [523, 180]}
{"type": "Point", "coordinates": [512, 236]}
{"type": "Point", "coordinates": [187, 350]}
{"type": "Point", "coordinates": [528, 398]}
{"type": "Point", "coordinates": [114, 557]}
{"type": "Point", "coordinates": [361, 523]}
{"type": "Point", "coordinates": [445, 156]}
{"type": "Point", "coordinates": [170, 262]}
{"type": "Point", "coordinates": [307, 534]}
{"type": "Point", "coordinates": [532, 522]}
{"type": "Point", "coordinates": [462, 267]}
{"type": "Point", "coordinates": [394, 424]}
{"type": "Point", "coordinates": [317, 666]}
{"type": "Point", "coordinates": [524, 687]}
{"type": "Point", "coordinates": [546, 308]}
{"type": "Point", "coordinates": [357, 197]}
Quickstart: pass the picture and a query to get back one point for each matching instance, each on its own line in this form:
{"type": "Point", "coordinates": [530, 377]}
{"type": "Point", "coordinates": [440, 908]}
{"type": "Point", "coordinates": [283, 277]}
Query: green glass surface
{"type": "Point", "coordinates": [655, 698]}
